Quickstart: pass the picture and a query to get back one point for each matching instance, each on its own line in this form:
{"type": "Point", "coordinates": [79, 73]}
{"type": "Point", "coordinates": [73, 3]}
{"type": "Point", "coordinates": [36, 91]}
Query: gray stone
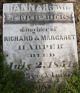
{"type": "Point", "coordinates": [40, 39]}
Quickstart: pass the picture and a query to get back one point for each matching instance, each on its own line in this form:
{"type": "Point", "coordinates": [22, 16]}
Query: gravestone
{"type": "Point", "coordinates": [72, 0]}
{"type": "Point", "coordinates": [40, 39]}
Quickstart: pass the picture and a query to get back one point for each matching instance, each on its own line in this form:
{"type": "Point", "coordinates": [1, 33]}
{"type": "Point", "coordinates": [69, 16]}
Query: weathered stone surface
{"type": "Point", "coordinates": [41, 41]}
{"type": "Point", "coordinates": [0, 33]}
{"type": "Point", "coordinates": [77, 16]}
{"type": "Point", "coordinates": [72, 0]}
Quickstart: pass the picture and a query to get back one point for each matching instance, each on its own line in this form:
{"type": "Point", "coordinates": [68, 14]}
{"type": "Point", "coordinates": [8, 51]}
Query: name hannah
{"type": "Point", "coordinates": [29, 7]}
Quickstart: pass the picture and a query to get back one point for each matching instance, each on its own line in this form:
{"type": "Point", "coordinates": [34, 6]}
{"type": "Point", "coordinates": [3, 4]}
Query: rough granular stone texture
{"type": "Point", "coordinates": [0, 25]}
{"type": "Point", "coordinates": [1, 10]}
{"type": "Point", "coordinates": [0, 33]}
{"type": "Point", "coordinates": [77, 17]}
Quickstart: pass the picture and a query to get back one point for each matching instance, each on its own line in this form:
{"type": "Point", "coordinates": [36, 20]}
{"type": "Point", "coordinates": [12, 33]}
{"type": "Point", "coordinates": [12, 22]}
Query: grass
{"type": "Point", "coordinates": [12, 81]}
